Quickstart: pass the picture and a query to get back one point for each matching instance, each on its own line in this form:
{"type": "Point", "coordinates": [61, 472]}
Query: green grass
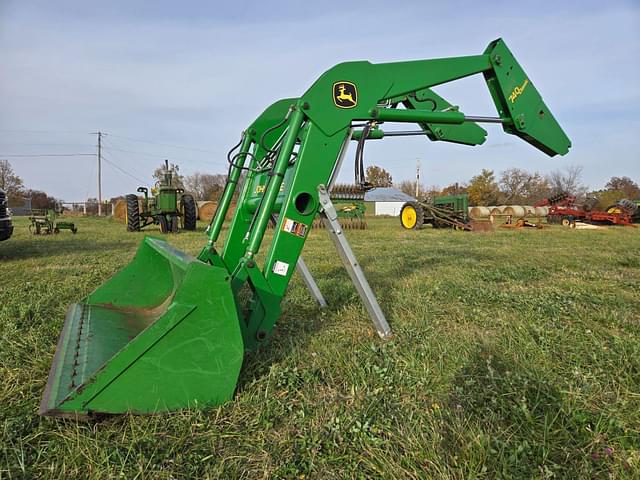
{"type": "Point", "coordinates": [516, 355]}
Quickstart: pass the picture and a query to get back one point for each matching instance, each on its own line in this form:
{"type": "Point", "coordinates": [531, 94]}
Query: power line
{"type": "Point", "coordinates": [41, 131]}
{"type": "Point", "coordinates": [47, 144]}
{"type": "Point", "coordinates": [113, 164]}
{"type": "Point", "coordinates": [54, 155]}
{"type": "Point", "coordinates": [158, 156]}
{"type": "Point", "coordinates": [109, 149]}
{"type": "Point", "coordinates": [162, 144]}
{"type": "Point", "coordinates": [134, 152]}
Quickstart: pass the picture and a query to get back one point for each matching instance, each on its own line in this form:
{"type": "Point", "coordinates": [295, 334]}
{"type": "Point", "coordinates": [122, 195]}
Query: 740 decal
{"type": "Point", "coordinates": [518, 90]}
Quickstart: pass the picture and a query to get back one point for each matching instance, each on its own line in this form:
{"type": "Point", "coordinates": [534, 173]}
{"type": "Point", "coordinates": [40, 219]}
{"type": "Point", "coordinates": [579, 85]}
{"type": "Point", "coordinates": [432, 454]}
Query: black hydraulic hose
{"type": "Point", "coordinates": [271, 129]}
{"type": "Point", "coordinates": [359, 160]}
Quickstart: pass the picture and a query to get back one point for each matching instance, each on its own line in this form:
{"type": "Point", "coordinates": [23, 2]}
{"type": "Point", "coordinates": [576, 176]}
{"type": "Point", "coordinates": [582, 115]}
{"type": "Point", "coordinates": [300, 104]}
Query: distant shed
{"type": "Point", "coordinates": [386, 201]}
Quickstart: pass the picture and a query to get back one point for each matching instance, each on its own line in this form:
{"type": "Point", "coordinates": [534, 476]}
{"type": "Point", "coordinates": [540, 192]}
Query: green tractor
{"type": "Point", "coordinates": [162, 207]}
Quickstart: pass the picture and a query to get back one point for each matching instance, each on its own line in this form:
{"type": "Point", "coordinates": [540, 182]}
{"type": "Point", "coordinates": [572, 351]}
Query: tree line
{"type": "Point", "coordinates": [516, 186]}
{"type": "Point", "coordinates": [14, 187]}
{"type": "Point", "coordinates": [513, 186]}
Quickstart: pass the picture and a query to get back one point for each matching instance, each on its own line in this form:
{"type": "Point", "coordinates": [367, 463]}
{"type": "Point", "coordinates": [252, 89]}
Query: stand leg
{"type": "Point", "coordinates": [330, 219]}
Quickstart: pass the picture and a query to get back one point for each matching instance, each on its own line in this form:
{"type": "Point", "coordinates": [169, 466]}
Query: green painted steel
{"type": "Point", "coordinates": [516, 98]}
{"type": "Point", "coordinates": [458, 204]}
{"type": "Point", "coordinates": [167, 201]}
{"type": "Point", "coordinates": [169, 330]}
{"type": "Point", "coordinates": [148, 340]}
{"type": "Point", "coordinates": [416, 116]}
{"type": "Point", "coordinates": [469, 133]}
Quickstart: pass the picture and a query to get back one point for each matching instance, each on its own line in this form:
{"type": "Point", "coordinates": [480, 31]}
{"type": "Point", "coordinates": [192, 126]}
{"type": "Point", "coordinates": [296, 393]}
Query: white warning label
{"type": "Point", "coordinates": [280, 268]}
{"type": "Point", "coordinates": [295, 228]}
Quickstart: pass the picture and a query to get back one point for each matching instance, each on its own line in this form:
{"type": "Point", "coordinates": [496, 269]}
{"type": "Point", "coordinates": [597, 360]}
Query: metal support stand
{"type": "Point", "coordinates": [330, 219]}
{"type": "Point", "coordinates": [309, 281]}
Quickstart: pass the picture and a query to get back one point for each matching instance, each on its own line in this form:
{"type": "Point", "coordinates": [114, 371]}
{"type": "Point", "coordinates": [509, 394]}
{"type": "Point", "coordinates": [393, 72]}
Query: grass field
{"type": "Point", "coordinates": [516, 355]}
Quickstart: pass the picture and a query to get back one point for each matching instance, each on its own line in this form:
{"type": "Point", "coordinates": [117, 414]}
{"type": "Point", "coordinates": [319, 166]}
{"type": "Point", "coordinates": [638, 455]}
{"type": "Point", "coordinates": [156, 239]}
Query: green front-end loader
{"type": "Point", "coordinates": [169, 331]}
{"type": "Point", "coordinates": [168, 206]}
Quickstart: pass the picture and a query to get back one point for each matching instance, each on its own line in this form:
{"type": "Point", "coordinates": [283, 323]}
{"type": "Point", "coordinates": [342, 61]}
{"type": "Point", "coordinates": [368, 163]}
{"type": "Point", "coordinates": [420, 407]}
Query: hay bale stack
{"type": "Point", "coordinates": [517, 211]}
{"type": "Point", "coordinates": [499, 210]}
{"type": "Point", "coordinates": [206, 210]}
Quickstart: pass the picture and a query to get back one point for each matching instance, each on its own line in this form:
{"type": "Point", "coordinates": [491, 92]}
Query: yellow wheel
{"type": "Point", "coordinates": [411, 215]}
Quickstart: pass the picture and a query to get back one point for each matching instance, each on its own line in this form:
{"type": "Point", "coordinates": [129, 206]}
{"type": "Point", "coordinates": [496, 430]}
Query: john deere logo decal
{"type": "Point", "coordinates": [345, 95]}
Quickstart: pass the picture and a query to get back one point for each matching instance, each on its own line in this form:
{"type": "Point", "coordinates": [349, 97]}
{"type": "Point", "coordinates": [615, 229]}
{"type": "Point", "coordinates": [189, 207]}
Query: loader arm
{"type": "Point", "coordinates": [318, 125]}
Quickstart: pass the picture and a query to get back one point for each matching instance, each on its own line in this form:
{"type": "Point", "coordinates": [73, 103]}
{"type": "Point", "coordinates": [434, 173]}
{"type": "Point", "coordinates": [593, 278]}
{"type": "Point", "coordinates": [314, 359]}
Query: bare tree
{"type": "Point", "coordinates": [409, 187]}
{"type": "Point", "coordinates": [567, 180]}
{"type": "Point", "coordinates": [205, 186]}
{"type": "Point", "coordinates": [9, 181]}
{"type": "Point", "coordinates": [40, 199]}
{"type": "Point", "coordinates": [378, 176]}
{"type": "Point", "coordinates": [519, 186]}
{"type": "Point", "coordinates": [177, 180]}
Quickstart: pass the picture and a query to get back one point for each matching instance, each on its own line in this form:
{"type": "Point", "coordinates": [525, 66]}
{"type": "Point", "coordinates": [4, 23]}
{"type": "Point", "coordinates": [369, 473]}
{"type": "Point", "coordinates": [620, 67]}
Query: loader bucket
{"type": "Point", "coordinates": [162, 334]}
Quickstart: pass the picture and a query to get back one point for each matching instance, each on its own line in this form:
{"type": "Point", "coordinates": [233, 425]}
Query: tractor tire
{"type": "Point", "coordinates": [412, 216]}
{"type": "Point", "coordinates": [174, 222]}
{"type": "Point", "coordinates": [132, 213]}
{"type": "Point", "coordinates": [188, 211]}
{"type": "Point", "coordinates": [164, 224]}
{"type": "Point", "coordinates": [566, 220]}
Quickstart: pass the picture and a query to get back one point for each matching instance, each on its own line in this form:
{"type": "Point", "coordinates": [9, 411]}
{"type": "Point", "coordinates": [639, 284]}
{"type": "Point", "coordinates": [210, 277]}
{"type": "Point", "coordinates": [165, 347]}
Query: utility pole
{"type": "Point", "coordinates": [417, 178]}
{"type": "Point", "coordinates": [99, 133]}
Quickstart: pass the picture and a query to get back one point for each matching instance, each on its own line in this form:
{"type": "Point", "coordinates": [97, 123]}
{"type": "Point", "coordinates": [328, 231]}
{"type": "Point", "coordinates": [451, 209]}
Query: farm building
{"type": "Point", "coordinates": [386, 201]}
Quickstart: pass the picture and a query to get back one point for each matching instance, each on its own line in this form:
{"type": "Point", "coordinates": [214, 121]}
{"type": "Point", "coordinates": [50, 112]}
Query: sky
{"type": "Point", "coordinates": [181, 80]}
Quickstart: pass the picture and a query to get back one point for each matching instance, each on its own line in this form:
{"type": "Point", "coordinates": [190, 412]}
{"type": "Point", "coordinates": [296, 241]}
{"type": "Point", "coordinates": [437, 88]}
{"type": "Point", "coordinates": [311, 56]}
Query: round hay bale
{"type": "Point", "coordinates": [206, 210]}
{"type": "Point", "coordinates": [541, 211]}
{"type": "Point", "coordinates": [517, 211]}
{"type": "Point", "coordinates": [529, 210]}
{"type": "Point", "coordinates": [479, 212]}
{"type": "Point", "coordinates": [120, 210]}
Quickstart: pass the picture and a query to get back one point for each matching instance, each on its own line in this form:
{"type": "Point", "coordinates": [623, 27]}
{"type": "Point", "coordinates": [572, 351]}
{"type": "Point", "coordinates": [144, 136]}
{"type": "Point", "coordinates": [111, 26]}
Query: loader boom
{"type": "Point", "coordinates": [319, 123]}
{"type": "Point", "coordinates": [177, 339]}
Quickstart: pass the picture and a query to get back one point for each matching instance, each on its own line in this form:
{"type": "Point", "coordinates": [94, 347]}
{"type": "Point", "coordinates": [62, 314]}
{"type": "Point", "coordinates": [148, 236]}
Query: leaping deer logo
{"type": "Point", "coordinates": [345, 95]}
